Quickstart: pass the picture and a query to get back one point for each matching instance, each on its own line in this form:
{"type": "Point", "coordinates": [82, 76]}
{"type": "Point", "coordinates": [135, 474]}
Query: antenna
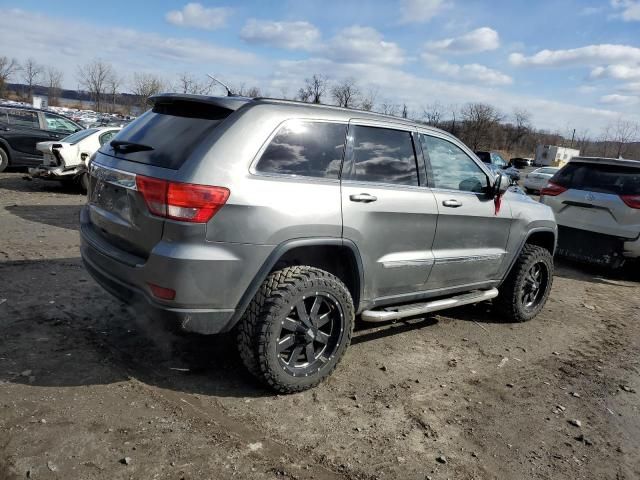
{"type": "Point", "coordinates": [229, 92]}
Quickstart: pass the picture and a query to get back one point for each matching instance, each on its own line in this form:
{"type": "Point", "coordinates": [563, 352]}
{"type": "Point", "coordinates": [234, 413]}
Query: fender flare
{"type": "Point", "coordinates": [278, 252]}
{"type": "Point", "coordinates": [523, 243]}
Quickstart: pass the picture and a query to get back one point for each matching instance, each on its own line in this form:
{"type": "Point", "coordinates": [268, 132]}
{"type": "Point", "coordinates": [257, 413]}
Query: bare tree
{"type": "Point", "coordinates": [369, 100]}
{"type": "Point", "coordinates": [96, 77]}
{"type": "Point", "coordinates": [433, 114]}
{"type": "Point", "coordinates": [314, 88]}
{"type": "Point", "coordinates": [520, 127]}
{"type": "Point", "coordinates": [480, 120]}
{"type": "Point", "coordinates": [54, 85]}
{"type": "Point", "coordinates": [8, 67]}
{"type": "Point", "coordinates": [405, 111]}
{"type": "Point", "coordinates": [31, 74]}
{"type": "Point", "coordinates": [145, 85]}
{"type": "Point", "coordinates": [113, 84]}
{"type": "Point", "coordinates": [187, 83]}
{"type": "Point", "coordinates": [389, 109]}
{"type": "Point", "coordinates": [624, 132]}
{"type": "Point", "coordinates": [346, 93]}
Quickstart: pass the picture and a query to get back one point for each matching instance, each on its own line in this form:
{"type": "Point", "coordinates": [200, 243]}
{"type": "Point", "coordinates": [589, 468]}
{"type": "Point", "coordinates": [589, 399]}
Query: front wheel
{"type": "Point", "coordinates": [525, 291]}
{"type": "Point", "coordinates": [297, 328]}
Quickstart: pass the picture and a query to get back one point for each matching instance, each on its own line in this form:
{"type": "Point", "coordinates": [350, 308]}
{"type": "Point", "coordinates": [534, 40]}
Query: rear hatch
{"type": "Point", "coordinates": [597, 197]}
{"type": "Point", "coordinates": [154, 146]}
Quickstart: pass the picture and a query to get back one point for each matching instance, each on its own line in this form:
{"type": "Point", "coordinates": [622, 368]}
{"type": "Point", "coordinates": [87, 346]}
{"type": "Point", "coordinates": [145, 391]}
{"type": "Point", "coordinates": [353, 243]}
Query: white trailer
{"type": "Point", "coordinates": [554, 156]}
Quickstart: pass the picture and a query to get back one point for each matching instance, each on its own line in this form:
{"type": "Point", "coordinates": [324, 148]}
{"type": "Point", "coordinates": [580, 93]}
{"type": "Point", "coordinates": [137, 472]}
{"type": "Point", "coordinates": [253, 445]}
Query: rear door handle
{"type": "Point", "coordinates": [363, 197]}
{"type": "Point", "coordinates": [452, 203]}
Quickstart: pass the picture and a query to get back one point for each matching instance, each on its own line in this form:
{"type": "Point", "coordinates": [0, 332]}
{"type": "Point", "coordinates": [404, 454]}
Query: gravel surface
{"type": "Point", "coordinates": [88, 389]}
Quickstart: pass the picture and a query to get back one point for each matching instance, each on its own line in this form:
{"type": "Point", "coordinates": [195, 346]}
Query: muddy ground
{"type": "Point", "coordinates": [86, 384]}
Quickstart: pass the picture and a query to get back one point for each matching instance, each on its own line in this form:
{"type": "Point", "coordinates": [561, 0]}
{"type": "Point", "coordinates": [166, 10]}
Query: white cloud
{"type": "Point", "coordinates": [421, 11]}
{"type": "Point", "coordinates": [54, 41]}
{"type": "Point", "coordinates": [290, 35]}
{"type": "Point", "coordinates": [417, 91]}
{"type": "Point", "coordinates": [617, 72]}
{"type": "Point", "coordinates": [629, 9]}
{"type": "Point", "coordinates": [479, 40]}
{"type": "Point", "coordinates": [588, 55]}
{"type": "Point", "coordinates": [591, 10]}
{"type": "Point", "coordinates": [633, 87]}
{"type": "Point", "coordinates": [363, 45]}
{"type": "Point", "coordinates": [471, 73]}
{"type": "Point", "coordinates": [617, 99]}
{"type": "Point", "coordinates": [197, 16]}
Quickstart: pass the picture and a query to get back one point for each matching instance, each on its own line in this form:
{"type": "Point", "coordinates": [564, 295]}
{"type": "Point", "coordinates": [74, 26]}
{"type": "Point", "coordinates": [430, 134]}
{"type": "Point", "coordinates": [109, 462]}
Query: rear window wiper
{"type": "Point", "coordinates": [125, 147]}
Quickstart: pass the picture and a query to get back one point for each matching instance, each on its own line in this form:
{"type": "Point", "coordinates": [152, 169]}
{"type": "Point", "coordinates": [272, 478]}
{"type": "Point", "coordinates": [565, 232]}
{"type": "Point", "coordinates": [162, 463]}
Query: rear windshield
{"type": "Point", "coordinates": [547, 170]}
{"type": "Point", "coordinates": [614, 179]}
{"type": "Point", "coordinates": [172, 130]}
{"type": "Point", "coordinates": [80, 135]}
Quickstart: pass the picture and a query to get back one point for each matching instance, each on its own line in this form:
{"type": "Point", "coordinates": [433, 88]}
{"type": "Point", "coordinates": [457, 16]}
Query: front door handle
{"type": "Point", "coordinates": [363, 197]}
{"type": "Point", "coordinates": [452, 203]}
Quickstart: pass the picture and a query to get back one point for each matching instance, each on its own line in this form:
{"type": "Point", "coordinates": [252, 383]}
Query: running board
{"type": "Point", "coordinates": [410, 310]}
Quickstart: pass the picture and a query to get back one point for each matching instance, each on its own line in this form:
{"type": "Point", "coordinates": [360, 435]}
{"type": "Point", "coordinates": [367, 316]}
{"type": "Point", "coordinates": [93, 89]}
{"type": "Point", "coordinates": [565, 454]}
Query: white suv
{"type": "Point", "coordinates": [596, 202]}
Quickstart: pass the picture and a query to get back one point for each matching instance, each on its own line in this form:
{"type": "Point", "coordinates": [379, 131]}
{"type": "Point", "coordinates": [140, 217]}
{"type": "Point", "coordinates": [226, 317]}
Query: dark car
{"type": "Point", "coordinates": [496, 162]}
{"type": "Point", "coordinates": [520, 163]}
{"type": "Point", "coordinates": [21, 128]}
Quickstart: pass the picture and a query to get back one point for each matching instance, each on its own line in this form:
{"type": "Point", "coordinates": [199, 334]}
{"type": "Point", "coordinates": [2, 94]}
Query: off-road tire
{"type": "Point", "coordinates": [257, 331]}
{"type": "Point", "coordinates": [4, 159]}
{"type": "Point", "coordinates": [509, 303]}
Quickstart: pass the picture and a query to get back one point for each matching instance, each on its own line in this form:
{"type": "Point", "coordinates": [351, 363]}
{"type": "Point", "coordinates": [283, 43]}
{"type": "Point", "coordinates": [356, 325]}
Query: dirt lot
{"type": "Point", "coordinates": [85, 383]}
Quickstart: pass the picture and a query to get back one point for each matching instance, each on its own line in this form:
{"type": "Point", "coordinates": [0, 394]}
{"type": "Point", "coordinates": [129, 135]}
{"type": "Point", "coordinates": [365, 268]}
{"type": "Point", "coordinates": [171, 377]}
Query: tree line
{"type": "Point", "coordinates": [480, 125]}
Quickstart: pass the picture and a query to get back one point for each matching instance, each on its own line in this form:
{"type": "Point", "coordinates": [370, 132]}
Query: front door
{"type": "Point", "coordinates": [471, 237]}
{"type": "Point", "coordinates": [388, 211]}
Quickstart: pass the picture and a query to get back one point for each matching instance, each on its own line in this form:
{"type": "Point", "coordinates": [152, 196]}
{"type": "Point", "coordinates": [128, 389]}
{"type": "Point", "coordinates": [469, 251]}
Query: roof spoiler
{"type": "Point", "coordinates": [230, 103]}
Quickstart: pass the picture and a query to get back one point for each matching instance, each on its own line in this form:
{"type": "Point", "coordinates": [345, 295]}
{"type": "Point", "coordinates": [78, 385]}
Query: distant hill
{"type": "Point", "coordinates": [64, 93]}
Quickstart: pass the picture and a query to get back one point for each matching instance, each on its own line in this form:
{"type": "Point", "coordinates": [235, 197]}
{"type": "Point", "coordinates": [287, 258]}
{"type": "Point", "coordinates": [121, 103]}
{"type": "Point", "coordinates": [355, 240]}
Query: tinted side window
{"type": "Point", "coordinates": [383, 155]}
{"type": "Point", "coordinates": [23, 118]}
{"type": "Point", "coordinates": [451, 167]}
{"type": "Point", "coordinates": [59, 124]}
{"type": "Point", "coordinates": [308, 149]}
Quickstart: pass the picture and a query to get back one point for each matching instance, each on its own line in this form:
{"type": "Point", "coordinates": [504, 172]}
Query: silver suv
{"type": "Point", "coordinates": [282, 221]}
{"type": "Point", "coordinates": [597, 205]}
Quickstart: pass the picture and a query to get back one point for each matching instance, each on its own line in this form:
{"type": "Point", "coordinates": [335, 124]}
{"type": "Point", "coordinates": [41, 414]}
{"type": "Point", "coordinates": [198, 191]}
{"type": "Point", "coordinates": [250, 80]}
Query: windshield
{"type": "Point", "coordinates": [81, 135]}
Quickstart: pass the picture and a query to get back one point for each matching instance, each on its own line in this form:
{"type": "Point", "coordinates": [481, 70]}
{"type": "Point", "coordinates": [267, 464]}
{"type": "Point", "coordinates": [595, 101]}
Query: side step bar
{"type": "Point", "coordinates": [402, 311]}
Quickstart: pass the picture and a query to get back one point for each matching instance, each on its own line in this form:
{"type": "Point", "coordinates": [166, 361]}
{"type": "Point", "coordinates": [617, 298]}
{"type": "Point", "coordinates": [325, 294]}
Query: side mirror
{"type": "Point", "coordinates": [501, 184]}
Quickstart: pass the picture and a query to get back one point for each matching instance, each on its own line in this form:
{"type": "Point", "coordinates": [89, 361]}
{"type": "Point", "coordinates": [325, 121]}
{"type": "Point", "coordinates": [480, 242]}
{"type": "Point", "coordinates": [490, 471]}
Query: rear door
{"type": "Point", "coordinates": [388, 211]}
{"type": "Point", "coordinates": [593, 199]}
{"type": "Point", "coordinates": [471, 237]}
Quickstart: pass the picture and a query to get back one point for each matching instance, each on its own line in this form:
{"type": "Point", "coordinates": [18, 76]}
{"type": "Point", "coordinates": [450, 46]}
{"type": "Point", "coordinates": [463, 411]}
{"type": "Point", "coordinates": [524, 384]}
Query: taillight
{"type": "Point", "coordinates": [632, 201]}
{"type": "Point", "coordinates": [552, 189]}
{"type": "Point", "coordinates": [186, 202]}
{"type": "Point", "coordinates": [162, 292]}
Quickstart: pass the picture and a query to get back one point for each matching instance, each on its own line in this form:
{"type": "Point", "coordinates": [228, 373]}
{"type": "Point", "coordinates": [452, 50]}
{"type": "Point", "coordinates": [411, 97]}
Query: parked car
{"type": "Point", "coordinates": [596, 202]}
{"type": "Point", "coordinates": [66, 160]}
{"type": "Point", "coordinates": [496, 162]}
{"type": "Point", "coordinates": [22, 128]}
{"type": "Point", "coordinates": [537, 180]}
{"type": "Point", "coordinates": [520, 163]}
{"type": "Point", "coordinates": [264, 217]}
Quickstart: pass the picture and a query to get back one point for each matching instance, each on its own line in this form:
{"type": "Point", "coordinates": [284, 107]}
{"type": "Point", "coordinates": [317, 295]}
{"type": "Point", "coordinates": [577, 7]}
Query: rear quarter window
{"type": "Point", "coordinates": [304, 148]}
{"type": "Point", "coordinates": [613, 179]}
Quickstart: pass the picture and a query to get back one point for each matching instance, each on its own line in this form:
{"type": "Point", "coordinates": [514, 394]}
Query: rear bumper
{"type": "Point", "coordinates": [52, 173]}
{"type": "Point", "coordinates": [209, 280]}
{"type": "Point", "coordinates": [596, 248]}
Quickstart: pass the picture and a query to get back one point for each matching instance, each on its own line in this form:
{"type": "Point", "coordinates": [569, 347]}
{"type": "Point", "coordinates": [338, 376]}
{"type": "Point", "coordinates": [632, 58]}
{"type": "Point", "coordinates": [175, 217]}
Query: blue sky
{"type": "Point", "coordinates": [572, 64]}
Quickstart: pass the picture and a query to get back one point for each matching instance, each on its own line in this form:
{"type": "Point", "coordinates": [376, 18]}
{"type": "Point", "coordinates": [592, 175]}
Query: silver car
{"type": "Point", "coordinates": [596, 202]}
{"type": "Point", "coordinates": [282, 221]}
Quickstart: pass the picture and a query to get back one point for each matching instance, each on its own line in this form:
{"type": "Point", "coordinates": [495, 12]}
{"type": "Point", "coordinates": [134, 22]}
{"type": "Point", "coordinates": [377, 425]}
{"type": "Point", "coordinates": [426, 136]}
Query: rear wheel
{"type": "Point", "coordinates": [4, 160]}
{"type": "Point", "coordinates": [526, 289]}
{"type": "Point", "coordinates": [83, 180]}
{"type": "Point", "coordinates": [297, 328]}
